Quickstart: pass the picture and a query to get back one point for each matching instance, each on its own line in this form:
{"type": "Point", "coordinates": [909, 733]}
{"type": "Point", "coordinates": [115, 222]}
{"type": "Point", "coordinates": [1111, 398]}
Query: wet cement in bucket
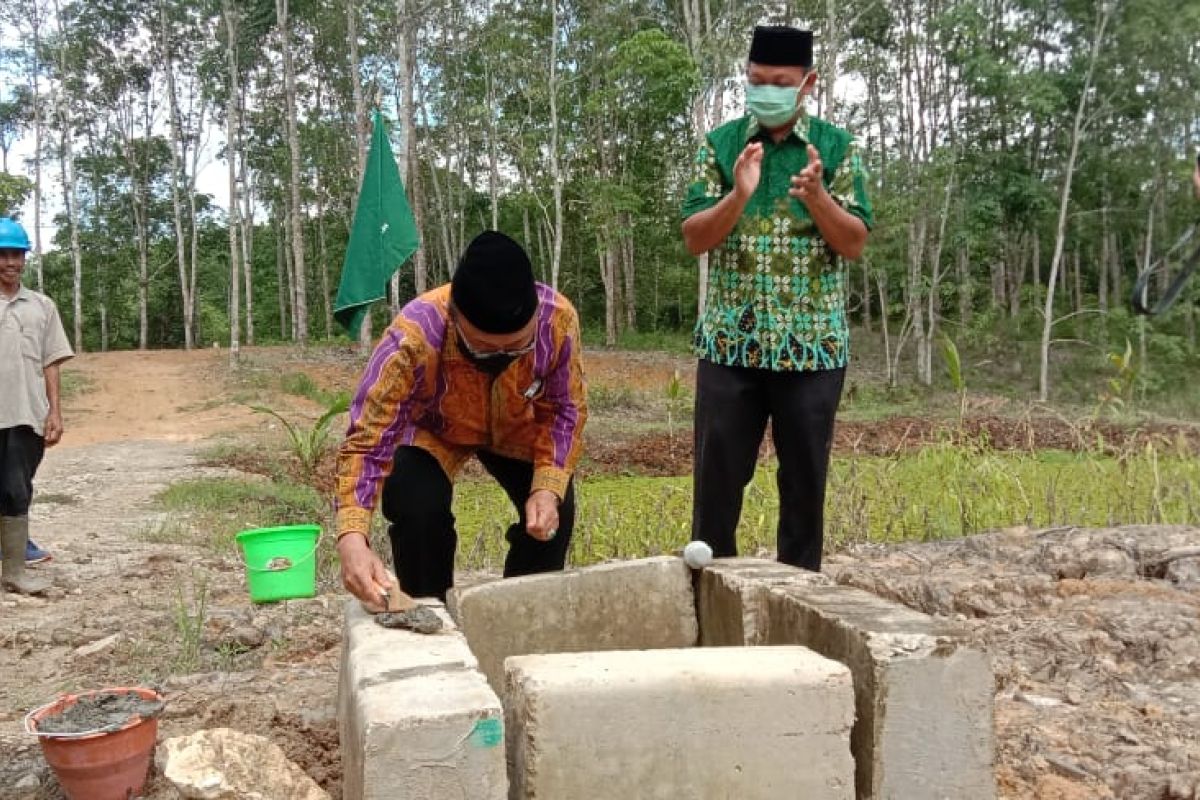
{"type": "Point", "coordinates": [97, 712]}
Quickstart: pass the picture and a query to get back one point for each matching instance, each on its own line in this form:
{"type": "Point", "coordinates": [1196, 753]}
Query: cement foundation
{"type": "Point", "coordinates": [837, 692]}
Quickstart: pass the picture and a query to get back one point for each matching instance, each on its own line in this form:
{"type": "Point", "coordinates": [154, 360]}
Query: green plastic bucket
{"type": "Point", "coordinates": [281, 563]}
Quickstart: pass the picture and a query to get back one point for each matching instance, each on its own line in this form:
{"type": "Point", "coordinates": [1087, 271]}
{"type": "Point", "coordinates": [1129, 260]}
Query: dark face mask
{"type": "Point", "coordinates": [492, 365]}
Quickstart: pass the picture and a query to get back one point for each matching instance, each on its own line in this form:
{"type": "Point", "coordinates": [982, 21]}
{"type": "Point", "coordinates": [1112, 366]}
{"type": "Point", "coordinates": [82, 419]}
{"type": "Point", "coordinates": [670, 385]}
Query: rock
{"type": "Point", "coordinates": [1109, 561]}
{"type": "Point", "coordinates": [98, 646]}
{"type": "Point", "coordinates": [1062, 562]}
{"type": "Point", "coordinates": [1183, 787]}
{"type": "Point", "coordinates": [1068, 767]}
{"type": "Point", "coordinates": [224, 764]}
{"type": "Point", "coordinates": [248, 636]}
{"type": "Point", "coordinates": [1037, 700]}
{"type": "Point", "coordinates": [29, 783]}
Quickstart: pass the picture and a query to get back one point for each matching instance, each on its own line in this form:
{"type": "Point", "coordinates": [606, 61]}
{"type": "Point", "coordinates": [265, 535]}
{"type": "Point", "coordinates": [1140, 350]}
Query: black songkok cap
{"type": "Point", "coordinates": [782, 46]}
{"type": "Point", "coordinates": [493, 285]}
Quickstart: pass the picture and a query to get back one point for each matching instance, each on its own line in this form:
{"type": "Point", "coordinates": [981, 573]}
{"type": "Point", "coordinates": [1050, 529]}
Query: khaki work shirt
{"type": "Point", "coordinates": [31, 339]}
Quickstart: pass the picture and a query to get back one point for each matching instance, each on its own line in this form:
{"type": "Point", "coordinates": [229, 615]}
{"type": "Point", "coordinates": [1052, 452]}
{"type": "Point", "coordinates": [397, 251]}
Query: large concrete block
{"type": "Point", "coordinates": [924, 729]}
{"type": "Point", "coordinates": [701, 723]}
{"type": "Point", "coordinates": [732, 606]}
{"type": "Point", "coordinates": [630, 605]}
{"type": "Point", "coordinates": [417, 719]}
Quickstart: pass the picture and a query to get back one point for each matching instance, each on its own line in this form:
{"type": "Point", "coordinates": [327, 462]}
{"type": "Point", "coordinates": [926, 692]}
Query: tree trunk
{"type": "Point", "coordinates": [361, 122]}
{"type": "Point", "coordinates": [608, 274]}
{"type": "Point", "coordinates": [1037, 268]}
{"type": "Point", "coordinates": [1078, 281]}
{"type": "Point", "coordinates": [289, 261]}
{"type": "Point", "coordinates": [627, 268]}
{"type": "Point", "coordinates": [556, 177]}
{"type": "Point", "coordinates": [1115, 265]}
{"type": "Point", "coordinates": [232, 124]}
{"type": "Point", "coordinates": [881, 283]}
{"type": "Point", "coordinates": [866, 284]}
{"type": "Point", "coordinates": [70, 200]}
{"type": "Point", "coordinates": [916, 259]}
{"type": "Point", "coordinates": [247, 219]}
{"type": "Point", "coordinates": [39, 129]}
{"type": "Point", "coordinates": [361, 136]}
{"type": "Point", "coordinates": [1077, 131]}
{"type": "Point", "coordinates": [323, 269]}
{"type": "Point", "coordinates": [964, 285]}
{"type": "Point", "coordinates": [178, 179]}
{"type": "Point", "coordinates": [293, 139]}
{"type": "Point", "coordinates": [281, 281]}
{"type": "Point", "coordinates": [411, 160]}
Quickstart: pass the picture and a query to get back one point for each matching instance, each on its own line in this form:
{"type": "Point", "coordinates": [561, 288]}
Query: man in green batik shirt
{"type": "Point", "coordinates": [778, 201]}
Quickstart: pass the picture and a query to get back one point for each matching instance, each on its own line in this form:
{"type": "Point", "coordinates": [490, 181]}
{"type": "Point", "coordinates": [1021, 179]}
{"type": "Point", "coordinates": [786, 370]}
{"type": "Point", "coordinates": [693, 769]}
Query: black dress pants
{"type": "Point", "coordinates": [733, 405]}
{"type": "Point", "coordinates": [417, 497]}
{"type": "Point", "coordinates": [21, 451]}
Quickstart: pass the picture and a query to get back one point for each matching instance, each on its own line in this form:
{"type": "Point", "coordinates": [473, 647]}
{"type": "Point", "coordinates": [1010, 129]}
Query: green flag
{"type": "Point", "coordinates": [382, 239]}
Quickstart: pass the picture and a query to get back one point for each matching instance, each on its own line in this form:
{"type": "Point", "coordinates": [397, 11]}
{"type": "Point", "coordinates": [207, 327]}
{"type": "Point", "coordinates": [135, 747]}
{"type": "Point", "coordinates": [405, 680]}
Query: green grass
{"type": "Point", "coordinates": [301, 384]}
{"type": "Point", "coordinates": [55, 498]}
{"type": "Point", "coordinates": [219, 508]}
{"type": "Point", "coordinates": [74, 384]}
{"type": "Point", "coordinates": [678, 342]}
{"type": "Point", "coordinates": [940, 491]}
{"type": "Point", "coordinates": [935, 493]}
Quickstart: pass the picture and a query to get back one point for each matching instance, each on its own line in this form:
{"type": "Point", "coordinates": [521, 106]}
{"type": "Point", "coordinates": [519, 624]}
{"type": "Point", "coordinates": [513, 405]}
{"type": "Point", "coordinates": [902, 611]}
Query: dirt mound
{"type": "Point", "coordinates": [1097, 663]}
{"type": "Point", "coordinates": [661, 454]}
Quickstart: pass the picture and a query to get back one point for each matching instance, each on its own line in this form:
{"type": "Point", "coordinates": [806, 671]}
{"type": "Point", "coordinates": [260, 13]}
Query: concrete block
{"type": "Point", "coordinates": [630, 605]}
{"type": "Point", "coordinates": [701, 723]}
{"type": "Point", "coordinates": [417, 719]}
{"type": "Point", "coordinates": [924, 728]}
{"type": "Point", "coordinates": [731, 603]}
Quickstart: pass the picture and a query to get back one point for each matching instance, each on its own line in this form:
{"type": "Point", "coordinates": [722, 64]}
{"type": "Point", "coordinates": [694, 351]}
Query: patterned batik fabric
{"type": "Point", "coordinates": [776, 292]}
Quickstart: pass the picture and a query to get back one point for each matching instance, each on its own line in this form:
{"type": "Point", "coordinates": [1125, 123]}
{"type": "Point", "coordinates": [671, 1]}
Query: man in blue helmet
{"type": "Point", "coordinates": [33, 345]}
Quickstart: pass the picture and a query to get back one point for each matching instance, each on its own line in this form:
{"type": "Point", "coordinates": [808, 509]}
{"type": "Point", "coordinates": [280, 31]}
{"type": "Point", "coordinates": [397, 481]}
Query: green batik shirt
{"type": "Point", "coordinates": [776, 291]}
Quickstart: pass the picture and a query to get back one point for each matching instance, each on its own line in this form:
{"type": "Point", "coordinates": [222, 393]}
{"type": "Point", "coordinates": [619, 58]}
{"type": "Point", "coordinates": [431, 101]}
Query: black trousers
{"type": "Point", "coordinates": [733, 405]}
{"type": "Point", "coordinates": [416, 501]}
{"type": "Point", "coordinates": [21, 451]}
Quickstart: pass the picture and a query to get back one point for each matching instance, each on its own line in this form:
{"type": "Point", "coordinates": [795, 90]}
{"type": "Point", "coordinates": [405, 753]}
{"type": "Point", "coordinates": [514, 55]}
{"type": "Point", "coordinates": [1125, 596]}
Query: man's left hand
{"type": "Point", "coordinates": [808, 184]}
{"type": "Point", "coordinates": [54, 428]}
{"type": "Point", "coordinates": [541, 515]}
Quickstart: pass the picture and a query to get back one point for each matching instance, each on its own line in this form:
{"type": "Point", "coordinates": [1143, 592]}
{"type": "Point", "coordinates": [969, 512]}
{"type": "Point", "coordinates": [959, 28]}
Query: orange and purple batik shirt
{"type": "Point", "coordinates": [419, 389]}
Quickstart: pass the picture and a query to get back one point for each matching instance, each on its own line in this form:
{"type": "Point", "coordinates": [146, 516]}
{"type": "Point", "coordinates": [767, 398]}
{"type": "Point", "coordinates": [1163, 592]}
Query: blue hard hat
{"type": "Point", "coordinates": [12, 235]}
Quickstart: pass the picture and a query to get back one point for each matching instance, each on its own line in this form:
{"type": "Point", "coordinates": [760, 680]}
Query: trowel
{"type": "Point", "coordinates": [394, 599]}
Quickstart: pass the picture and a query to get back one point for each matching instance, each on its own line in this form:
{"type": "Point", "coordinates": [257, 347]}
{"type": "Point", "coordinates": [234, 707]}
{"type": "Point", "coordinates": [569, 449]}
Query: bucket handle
{"type": "Point", "coordinates": [300, 560]}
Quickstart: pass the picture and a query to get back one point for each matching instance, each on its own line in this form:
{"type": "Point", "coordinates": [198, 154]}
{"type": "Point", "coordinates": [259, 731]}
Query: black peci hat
{"type": "Point", "coordinates": [493, 286]}
{"type": "Point", "coordinates": [782, 46]}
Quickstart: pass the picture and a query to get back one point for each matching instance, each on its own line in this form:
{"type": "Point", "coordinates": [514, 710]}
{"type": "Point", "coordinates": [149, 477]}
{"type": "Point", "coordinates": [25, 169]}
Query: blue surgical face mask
{"type": "Point", "coordinates": [771, 105]}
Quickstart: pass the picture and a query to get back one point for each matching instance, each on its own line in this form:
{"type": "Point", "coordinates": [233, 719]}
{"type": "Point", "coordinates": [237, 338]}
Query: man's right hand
{"type": "Point", "coordinates": [747, 170]}
{"type": "Point", "coordinates": [363, 573]}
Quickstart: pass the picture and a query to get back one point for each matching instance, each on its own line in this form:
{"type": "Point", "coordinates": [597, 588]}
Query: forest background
{"type": "Point", "coordinates": [188, 168]}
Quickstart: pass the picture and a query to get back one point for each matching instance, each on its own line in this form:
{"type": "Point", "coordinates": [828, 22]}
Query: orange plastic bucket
{"type": "Point", "coordinates": [104, 765]}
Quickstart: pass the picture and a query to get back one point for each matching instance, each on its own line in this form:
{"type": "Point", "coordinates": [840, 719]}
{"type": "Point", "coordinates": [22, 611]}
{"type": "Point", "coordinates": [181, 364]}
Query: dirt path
{"type": "Point", "coordinates": [131, 599]}
{"type": "Point", "coordinates": [167, 395]}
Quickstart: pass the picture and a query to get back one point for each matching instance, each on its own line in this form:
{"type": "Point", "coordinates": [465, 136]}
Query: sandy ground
{"type": "Point", "coordinates": [127, 599]}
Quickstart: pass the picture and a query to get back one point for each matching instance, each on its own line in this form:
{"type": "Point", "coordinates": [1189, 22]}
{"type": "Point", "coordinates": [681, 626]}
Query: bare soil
{"type": "Point", "coordinates": [133, 600]}
{"type": "Point", "coordinates": [1094, 639]}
